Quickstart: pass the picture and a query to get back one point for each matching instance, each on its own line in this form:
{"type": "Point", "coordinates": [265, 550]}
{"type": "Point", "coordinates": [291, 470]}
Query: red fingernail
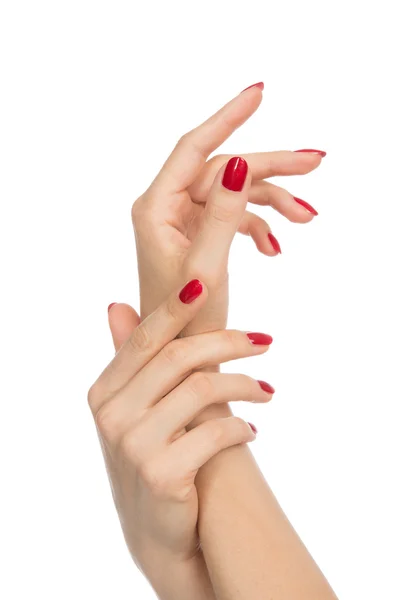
{"type": "Point", "coordinates": [260, 85]}
{"type": "Point", "coordinates": [274, 242]}
{"type": "Point", "coordinates": [235, 174]}
{"type": "Point", "coordinates": [306, 205]}
{"type": "Point", "coordinates": [266, 387]}
{"type": "Point", "coordinates": [253, 428]}
{"type": "Point", "coordinates": [310, 151]}
{"type": "Point", "coordinates": [259, 339]}
{"type": "Point", "coordinates": [191, 291]}
{"type": "Point", "coordinates": [111, 305]}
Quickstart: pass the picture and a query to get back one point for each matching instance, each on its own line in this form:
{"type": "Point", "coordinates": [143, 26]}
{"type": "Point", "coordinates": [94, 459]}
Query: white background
{"type": "Point", "coordinates": [94, 95]}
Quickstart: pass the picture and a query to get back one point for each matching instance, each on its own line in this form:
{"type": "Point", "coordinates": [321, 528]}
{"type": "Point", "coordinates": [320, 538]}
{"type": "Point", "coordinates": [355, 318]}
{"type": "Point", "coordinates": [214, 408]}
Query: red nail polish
{"type": "Point", "coordinates": [259, 339]}
{"type": "Point", "coordinates": [321, 153]}
{"type": "Point", "coordinates": [253, 428]}
{"type": "Point", "coordinates": [191, 291]}
{"type": "Point", "coordinates": [266, 387]}
{"type": "Point", "coordinates": [260, 85]}
{"type": "Point", "coordinates": [274, 242]}
{"type": "Point", "coordinates": [235, 174]}
{"type": "Point", "coordinates": [111, 305]}
{"type": "Point", "coordinates": [306, 205]}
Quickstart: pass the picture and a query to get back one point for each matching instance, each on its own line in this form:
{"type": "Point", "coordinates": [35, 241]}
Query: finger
{"type": "Point", "coordinates": [178, 359]}
{"type": "Point", "coordinates": [193, 149]}
{"type": "Point", "coordinates": [223, 213]}
{"type": "Point", "coordinates": [282, 163]}
{"type": "Point", "coordinates": [196, 447]}
{"type": "Point", "coordinates": [268, 194]}
{"type": "Point", "coordinates": [122, 319]}
{"type": "Point", "coordinates": [258, 229]}
{"type": "Point", "coordinates": [196, 393]}
{"type": "Point", "coordinates": [262, 165]}
{"type": "Point", "coordinates": [146, 340]}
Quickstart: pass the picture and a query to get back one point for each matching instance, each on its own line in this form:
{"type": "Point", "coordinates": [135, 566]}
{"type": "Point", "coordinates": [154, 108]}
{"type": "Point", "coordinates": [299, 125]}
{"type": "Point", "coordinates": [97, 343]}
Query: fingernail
{"type": "Point", "coordinates": [310, 151]}
{"type": "Point", "coordinates": [266, 387]}
{"type": "Point", "coordinates": [306, 205]}
{"type": "Point", "coordinates": [235, 174]}
{"type": "Point", "coordinates": [111, 305]}
{"type": "Point", "coordinates": [253, 428]}
{"type": "Point", "coordinates": [191, 291]}
{"type": "Point", "coordinates": [259, 339]}
{"type": "Point", "coordinates": [260, 85]}
{"type": "Point", "coordinates": [274, 242]}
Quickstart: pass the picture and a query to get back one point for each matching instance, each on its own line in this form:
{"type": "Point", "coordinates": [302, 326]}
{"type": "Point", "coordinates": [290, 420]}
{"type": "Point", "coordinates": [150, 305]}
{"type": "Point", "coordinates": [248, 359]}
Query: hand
{"type": "Point", "coordinates": [181, 228]}
{"type": "Point", "coordinates": [142, 404]}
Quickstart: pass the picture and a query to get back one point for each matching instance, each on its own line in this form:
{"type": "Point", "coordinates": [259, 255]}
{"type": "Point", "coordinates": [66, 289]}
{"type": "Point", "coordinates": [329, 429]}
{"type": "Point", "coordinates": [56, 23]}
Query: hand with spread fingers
{"type": "Point", "coordinates": [186, 219]}
{"type": "Point", "coordinates": [142, 404]}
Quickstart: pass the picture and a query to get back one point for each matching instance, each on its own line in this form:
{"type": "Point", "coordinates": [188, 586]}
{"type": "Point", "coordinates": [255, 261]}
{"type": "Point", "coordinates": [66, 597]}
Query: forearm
{"type": "Point", "coordinates": [250, 548]}
{"type": "Point", "coordinates": [182, 581]}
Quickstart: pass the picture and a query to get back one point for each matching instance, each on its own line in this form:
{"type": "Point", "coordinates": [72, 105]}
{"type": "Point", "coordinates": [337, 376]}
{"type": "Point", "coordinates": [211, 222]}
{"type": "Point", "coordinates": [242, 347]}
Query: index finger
{"type": "Point", "coordinates": [146, 340]}
{"type": "Point", "coordinates": [193, 148]}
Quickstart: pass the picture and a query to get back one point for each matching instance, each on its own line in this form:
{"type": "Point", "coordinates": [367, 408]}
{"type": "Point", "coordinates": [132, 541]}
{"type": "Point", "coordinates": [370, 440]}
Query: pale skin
{"type": "Point", "coordinates": [184, 225]}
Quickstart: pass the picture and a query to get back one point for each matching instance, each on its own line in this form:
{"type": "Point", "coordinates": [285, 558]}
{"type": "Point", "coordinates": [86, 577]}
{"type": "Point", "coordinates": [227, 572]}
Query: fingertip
{"type": "Point", "coordinates": [312, 152]}
{"type": "Point", "coordinates": [191, 291]}
{"type": "Point", "coordinates": [310, 209]}
{"type": "Point", "coordinates": [262, 244]}
{"type": "Point", "coordinates": [299, 211]}
{"type": "Point", "coordinates": [253, 429]}
{"type": "Point", "coordinates": [274, 243]}
{"type": "Point", "coordinates": [259, 85]}
{"type": "Point", "coordinates": [122, 320]}
{"type": "Point", "coordinates": [235, 174]}
{"type": "Point", "coordinates": [306, 161]}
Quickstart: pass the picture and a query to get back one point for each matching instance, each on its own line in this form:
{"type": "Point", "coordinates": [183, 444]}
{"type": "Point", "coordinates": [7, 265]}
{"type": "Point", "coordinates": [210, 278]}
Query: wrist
{"type": "Point", "coordinates": [182, 580]}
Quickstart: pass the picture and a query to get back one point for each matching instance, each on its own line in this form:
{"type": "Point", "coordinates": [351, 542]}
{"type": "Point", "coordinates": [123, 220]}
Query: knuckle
{"type": "Point", "coordinates": [106, 421]}
{"type": "Point", "coordinates": [130, 445]}
{"type": "Point", "coordinates": [219, 213]}
{"type": "Point", "coordinates": [201, 387]}
{"type": "Point", "coordinates": [189, 140]}
{"type": "Point", "coordinates": [185, 139]}
{"type": "Point", "coordinates": [94, 396]}
{"type": "Point", "coordinates": [217, 432]}
{"type": "Point", "coordinates": [140, 340]}
{"type": "Point", "coordinates": [240, 425]}
{"type": "Point", "coordinates": [138, 209]}
{"type": "Point", "coordinates": [228, 120]}
{"type": "Point", "coordinates": [154, 477]}
{"type": "Point", "coordinates": [164, 482]}
{"type": "Point", "coordinates": [231, 339]}
{"type": "Point", "coordinates": [174, 352]}
{"type": "Point", "coordinates": [171, 310]}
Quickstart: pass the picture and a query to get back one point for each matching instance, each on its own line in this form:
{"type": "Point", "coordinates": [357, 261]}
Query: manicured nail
{"type": "Point", "coordinates": [111, 305]}
{"type": "Point", "coordinates": [191, 291]}
{"type": "Point", "coordinates": [235, 174]}
{"type": "Point", "coordinates": [253, 428]}
{"type": "Point", "coordinates": [266, 387]}
{"type": "Point", "coordinates": [260, 85]}
{"type": "Point", "coordinates": [306, 205]}
{"type": "Point", "coordinates": [259, 339]}
{"type": "Point", "coordinates": [310, 151]}
{"type": "Point", "coordinates": [274, 242]}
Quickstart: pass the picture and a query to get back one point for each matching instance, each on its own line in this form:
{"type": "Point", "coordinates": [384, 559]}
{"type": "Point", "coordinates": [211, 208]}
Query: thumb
{"type": "Point", "coordinates": [122, 319]}
{"type": "Point", "coordinates": [224, 210]}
